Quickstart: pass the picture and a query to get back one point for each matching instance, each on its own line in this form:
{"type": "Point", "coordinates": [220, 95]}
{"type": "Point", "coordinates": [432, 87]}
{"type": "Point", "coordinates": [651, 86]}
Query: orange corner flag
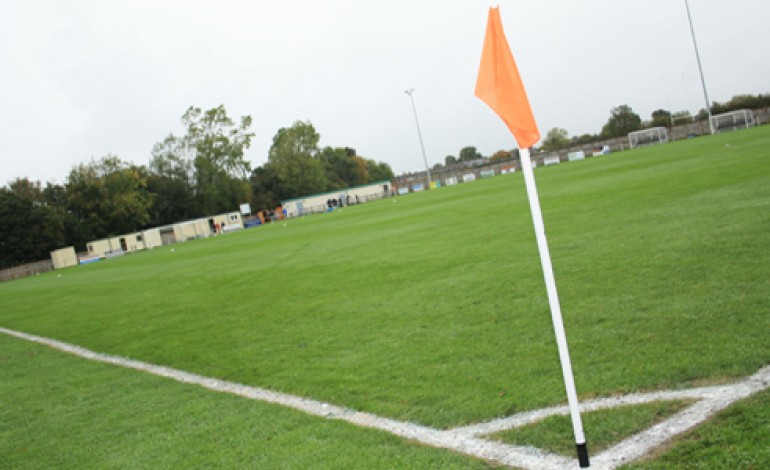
{"type": "Point", "coordinates": [499, 84]}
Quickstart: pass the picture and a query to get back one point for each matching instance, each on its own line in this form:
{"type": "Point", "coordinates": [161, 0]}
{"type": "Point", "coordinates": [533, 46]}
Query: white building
{"type": "Point", "coordinates": [166, 235]}
{"type": "Point", "coordinates": [348, 196]}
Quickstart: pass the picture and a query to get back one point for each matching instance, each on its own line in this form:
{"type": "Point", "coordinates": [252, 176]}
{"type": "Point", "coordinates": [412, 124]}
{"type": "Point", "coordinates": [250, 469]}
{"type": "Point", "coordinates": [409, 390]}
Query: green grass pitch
{"type": "Point", "coordinates": [431, 307]}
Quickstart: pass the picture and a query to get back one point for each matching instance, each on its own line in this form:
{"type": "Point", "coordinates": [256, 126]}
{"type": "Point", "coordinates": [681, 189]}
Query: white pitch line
{"type": "Point", "coordinates": [527, 457]}
{"type": "Point", "coordinates": [529, 417]}
{"type": "Point", "coordinates": [714, 399]}
{"type": "Point", "coordinates": [467, 440]}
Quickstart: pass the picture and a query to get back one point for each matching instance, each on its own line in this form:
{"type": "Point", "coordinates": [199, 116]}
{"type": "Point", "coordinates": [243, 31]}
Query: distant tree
{"type": "Point", "coordinates": [744, 102]}
{"type": "Point", "coordinates": [109, 196]}
{"type": "Point", "coordinates": [702, 115]}
{"type": "Point", "coordinates": [217, 145]}
{"type": "Point", "coordinates": [739, 102]}
{"type": "Point", "coordinates": [379, 171]}
{"type": "Point", "coordinates": [266, 192]}
{"type": "Point", "coordinates": [622, 121]}
{"type": "Point", "coordinates": [660, 118]}
{"type": "Point", "coordinates": [31, 228]}
{"type": "Point", "coordinates": [735, 103]}
{"type": "Point", "coordinates": [344, 168]}
{"type": "Point", "coordinates": [556, 139]}
{"type": "Point", "coordinates": [171, 182]}
{"type": "Point", "coordinates": [293, 157]}
{"type": "Point", "coordinates": [584, 139]}
{"type": "Point", "coordinates": [469, 153]}
{"type": "Point", "coordinates": [173, 200]}
{"type": "Point", "coordinates": [338, 166]}
{"type": "Point", "coordinates": [360, 173]}
{"type": "Point", "coordinates": [450, 160]}
{"type": "Point", "coordinates": [296, 167]}
{"type": "Point", "coordinates": [76, 233]}
{"type": "Point", "coordinates": [681, 117]}
{"type": "Point", "coordinates": [500, 156]}
{"type": "Point", "coordinates": [171, 157]}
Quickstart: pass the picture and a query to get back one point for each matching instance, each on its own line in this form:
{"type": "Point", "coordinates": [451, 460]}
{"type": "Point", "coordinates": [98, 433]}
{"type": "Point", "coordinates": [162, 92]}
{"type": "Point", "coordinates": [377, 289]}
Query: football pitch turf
{"type": "Point", "coordinates": [428, 308]}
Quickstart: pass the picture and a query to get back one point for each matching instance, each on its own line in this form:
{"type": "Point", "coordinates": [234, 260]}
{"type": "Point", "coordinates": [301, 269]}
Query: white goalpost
{"type": "Point", "coordinates": [651, 136]}
{"type": "Point", "coordinates": [741, 119]}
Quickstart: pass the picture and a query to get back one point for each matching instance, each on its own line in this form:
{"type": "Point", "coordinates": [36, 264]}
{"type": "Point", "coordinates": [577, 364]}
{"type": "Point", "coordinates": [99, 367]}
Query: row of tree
{"type": "Point", "coordinates": [200, 173]}
{"type": "Point", "coordinates": [204, 172]}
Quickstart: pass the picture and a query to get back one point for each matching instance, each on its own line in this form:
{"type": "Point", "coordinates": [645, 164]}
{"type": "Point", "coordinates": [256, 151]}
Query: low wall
{"type": "Point", "coordinates": [25, 270]}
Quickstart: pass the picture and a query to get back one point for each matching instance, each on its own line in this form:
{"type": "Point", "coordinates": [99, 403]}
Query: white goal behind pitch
{"type": "Point", "coordinates": [743, 118]}
{"type": "Point", "coordinates": [651, 136]}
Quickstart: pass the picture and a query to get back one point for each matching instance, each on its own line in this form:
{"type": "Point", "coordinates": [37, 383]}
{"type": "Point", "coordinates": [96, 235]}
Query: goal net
{"type": "Point", "coordinates": [651, 136]}
{"type": "Point", "coordinates": [743, 118]}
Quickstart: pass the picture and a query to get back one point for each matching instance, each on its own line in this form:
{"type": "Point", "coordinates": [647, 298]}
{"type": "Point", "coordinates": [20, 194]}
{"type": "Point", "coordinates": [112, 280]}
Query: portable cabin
{"type": "Point", "coordinates": [64, 258]}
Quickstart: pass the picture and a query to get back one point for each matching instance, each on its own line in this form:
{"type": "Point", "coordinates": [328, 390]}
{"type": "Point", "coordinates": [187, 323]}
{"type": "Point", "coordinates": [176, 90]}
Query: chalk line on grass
{"type": "Point", "coordinates": [470, 440]}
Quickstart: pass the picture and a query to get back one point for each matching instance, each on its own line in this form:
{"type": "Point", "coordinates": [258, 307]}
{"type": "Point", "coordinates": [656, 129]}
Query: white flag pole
{"type": "Point", "coordinates": [553, 300]}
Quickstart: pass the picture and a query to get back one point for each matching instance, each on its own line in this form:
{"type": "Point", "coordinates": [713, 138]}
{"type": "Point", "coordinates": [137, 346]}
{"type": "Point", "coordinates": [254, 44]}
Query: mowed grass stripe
{"type": "Point", "coordinates": [432, 309]}
{"type": "Point", "coordinates": [60, 411]}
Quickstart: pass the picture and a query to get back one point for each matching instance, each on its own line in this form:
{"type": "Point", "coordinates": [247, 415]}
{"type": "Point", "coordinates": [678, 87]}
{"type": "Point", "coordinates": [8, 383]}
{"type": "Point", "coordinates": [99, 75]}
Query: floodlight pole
{"type": "Point", "coordinates": [700, 67]}
{"type": "Point", "coordinates": [419, 134]}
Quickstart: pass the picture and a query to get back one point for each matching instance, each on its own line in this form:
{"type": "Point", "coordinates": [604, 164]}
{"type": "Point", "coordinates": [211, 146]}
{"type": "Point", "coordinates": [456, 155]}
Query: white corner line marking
{"type": "Point", "coordinates": [468, 440]}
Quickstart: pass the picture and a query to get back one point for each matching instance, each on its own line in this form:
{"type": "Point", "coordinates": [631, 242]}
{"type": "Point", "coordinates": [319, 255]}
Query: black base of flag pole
{"type": "Point", "coordinates": [582, 451]}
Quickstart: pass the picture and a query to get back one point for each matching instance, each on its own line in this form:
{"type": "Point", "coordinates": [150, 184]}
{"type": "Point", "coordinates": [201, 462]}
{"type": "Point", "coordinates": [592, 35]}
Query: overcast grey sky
{"type": "Point", "coordinates": [81, 79]}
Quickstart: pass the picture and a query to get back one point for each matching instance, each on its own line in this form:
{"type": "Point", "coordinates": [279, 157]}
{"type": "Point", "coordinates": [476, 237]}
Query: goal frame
{"type": "Point", "coordinates": [650, 136]}
{"type": "Point", "coordinates": [733, 120]}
